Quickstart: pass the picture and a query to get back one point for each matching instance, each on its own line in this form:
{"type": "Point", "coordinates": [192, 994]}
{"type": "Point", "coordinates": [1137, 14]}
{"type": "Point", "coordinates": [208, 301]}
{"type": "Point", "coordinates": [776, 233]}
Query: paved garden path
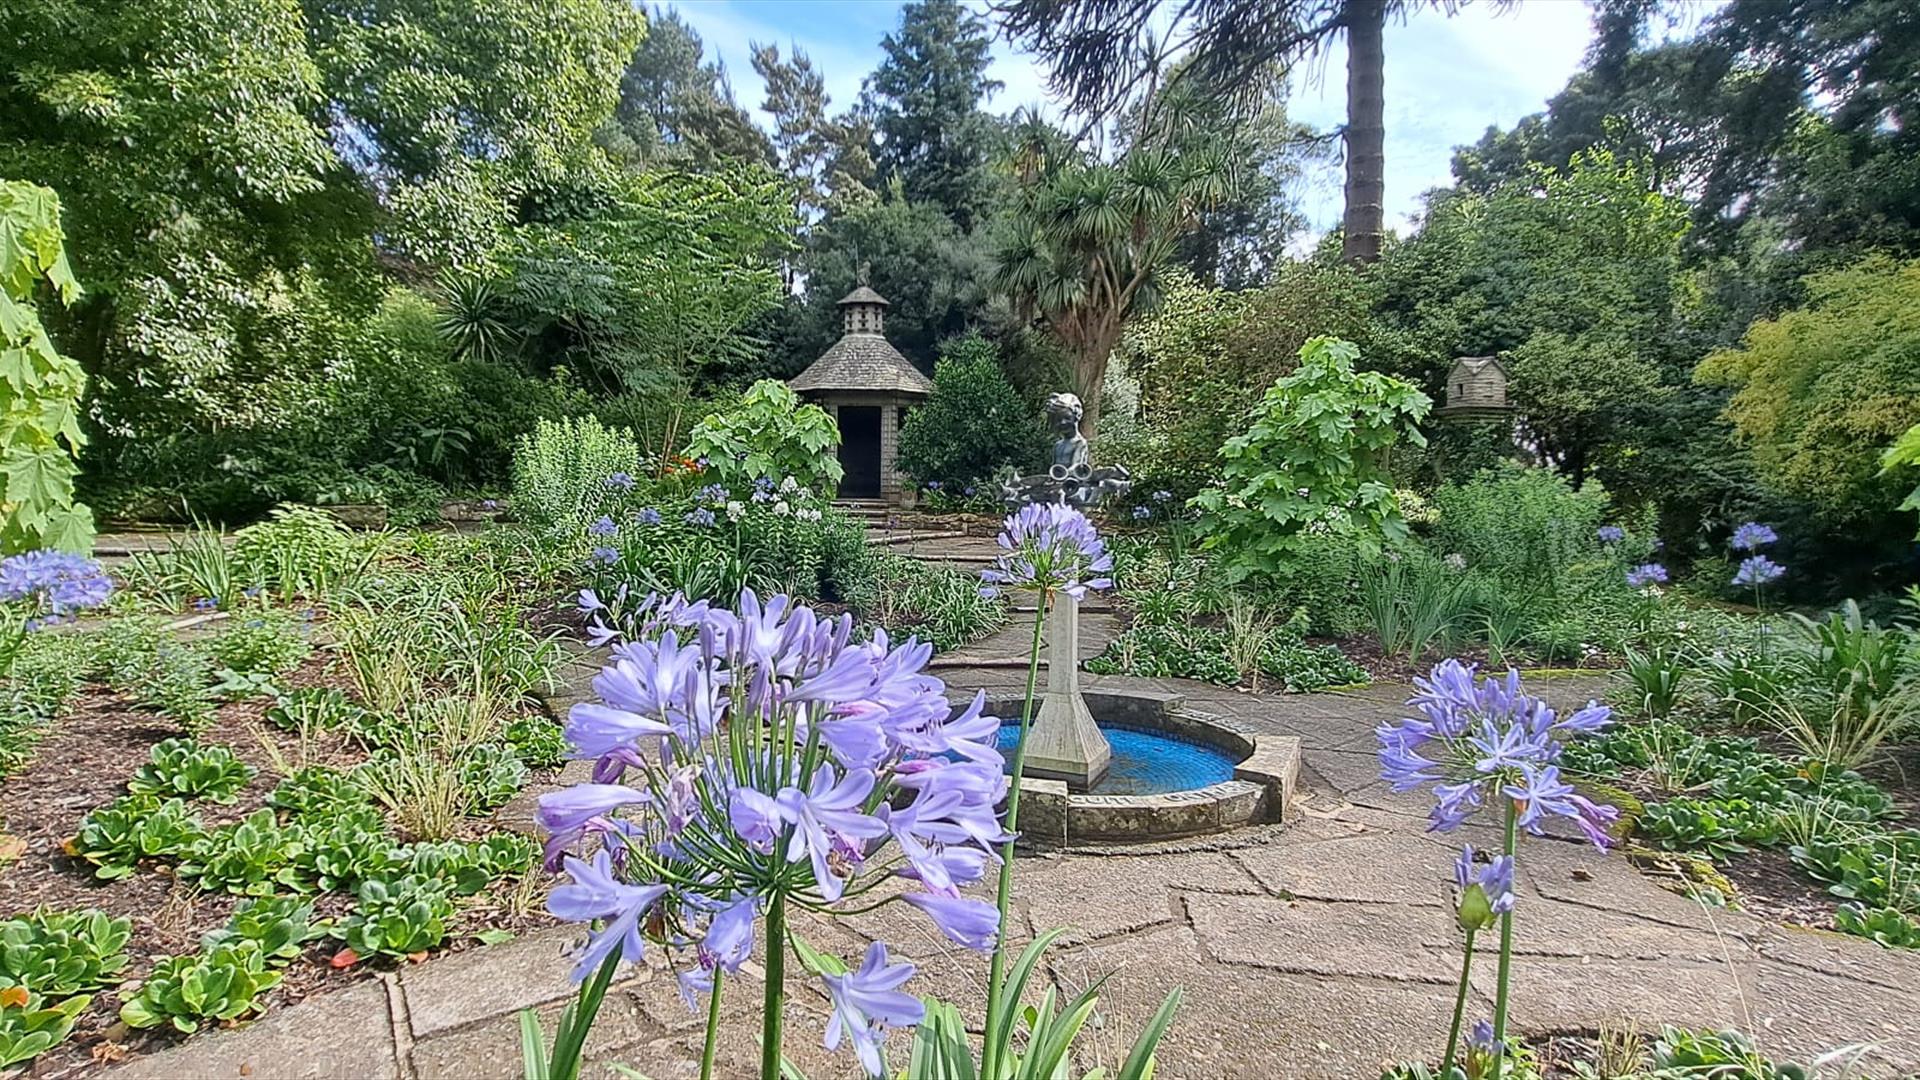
{"type": "Point", "coordinates": [1317, 948]}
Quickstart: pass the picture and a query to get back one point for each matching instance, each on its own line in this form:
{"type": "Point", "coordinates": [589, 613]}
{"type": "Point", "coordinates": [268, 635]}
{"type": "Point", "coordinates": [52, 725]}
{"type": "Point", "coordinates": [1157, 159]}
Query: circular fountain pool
{"type": "Point", "coordinates": [1149, 762]}
{"type": "Point", "coordinates": [1175, 772]}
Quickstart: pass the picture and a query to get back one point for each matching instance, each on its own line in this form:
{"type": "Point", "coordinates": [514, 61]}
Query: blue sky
{"type": "Point", "coordinates": [1448, 79]}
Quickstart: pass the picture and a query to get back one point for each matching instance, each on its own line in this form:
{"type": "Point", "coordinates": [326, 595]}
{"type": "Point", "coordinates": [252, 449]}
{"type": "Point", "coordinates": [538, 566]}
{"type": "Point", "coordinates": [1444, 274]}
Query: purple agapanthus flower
{"type": "Point", "coordinates": [1142, 513]}
{"type": "Point", "coordinates": [620, 481]}
{"type": "Point", "coordinates": [54, 584]}
{"type": "Point", "coordinates": [1162, 496]}
{"type": "Point", "coordinates": [605, 556]}
{"type": "Point", "coordinates": [596, 894]}
{"type": "Point", "coordinates": [1610, 534]}
{"type": "Point", "coordinates": [700, 517]}
{"type": "Point", "coordinates": [1047, 547]}
{"type": "Point", "coordinates": [1752, 536]}
{"type": "Point", "coordinates": [1757, 570]}
{"type": "Point", "coordinates": [604, 526]}
{"type": "Point", "coordinates": [647, 516]}
{"type": "Point", "coordinates": [748, 754]}
{"type": "Point", "coordinates": [1647, 574]}
{"type": "Point", "coordinates": [866, 1002]}
{"type": "Point", "coordinates": [1473, 739]}
{"type": "Point", "coordinates": [714, 494]}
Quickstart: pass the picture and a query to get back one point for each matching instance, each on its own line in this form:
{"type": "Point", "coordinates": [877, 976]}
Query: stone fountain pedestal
{"type": "Point", "coordinates": [1063, 742]}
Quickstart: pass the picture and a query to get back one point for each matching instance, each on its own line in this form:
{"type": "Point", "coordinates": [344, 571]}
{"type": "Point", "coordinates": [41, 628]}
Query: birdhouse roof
{"type": "Point", "coordinates": [864, 295]}
{"type": "Point", "coordinates": [1474, 365]}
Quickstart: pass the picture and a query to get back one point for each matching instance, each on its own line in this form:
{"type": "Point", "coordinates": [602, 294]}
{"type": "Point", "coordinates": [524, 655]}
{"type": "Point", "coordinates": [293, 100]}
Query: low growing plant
{"type": "Point", "coordinates": [277, 925]}
{"type": "Point", "coordinates": [118, 836]}
{"type": "Point", "coordinates": [249, 857]}
{"type": "Point", "coordinates": [317, 792]}
{"type": "Point", "coordinates": [183, 767]}
{"type": "Point", "coordinates": [343, 849]}
{"type": "Point", "coordinates": [398, 917]}
{"type": "Point", "coordinates": [29, 1026]}
{"type": "Point", "coordinates": [219, 983]}
{"type": "Point", "coordinates": [61, 953]}
{"type": "Point", "coordinates": [261, 641]}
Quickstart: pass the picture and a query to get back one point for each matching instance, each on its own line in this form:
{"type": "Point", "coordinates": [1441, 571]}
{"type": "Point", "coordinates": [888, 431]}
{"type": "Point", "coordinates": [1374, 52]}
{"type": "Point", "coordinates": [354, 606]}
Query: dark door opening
{"type": "Point", "coordinates": [860, 451]}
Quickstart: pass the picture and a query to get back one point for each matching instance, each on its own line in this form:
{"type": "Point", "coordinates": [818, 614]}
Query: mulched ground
{"type": "Point", "coordinates": [84, 761]}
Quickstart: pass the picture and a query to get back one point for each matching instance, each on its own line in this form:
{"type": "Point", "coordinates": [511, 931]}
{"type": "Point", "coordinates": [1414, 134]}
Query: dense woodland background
{"type": "Point", "coordinates": [348, 250]}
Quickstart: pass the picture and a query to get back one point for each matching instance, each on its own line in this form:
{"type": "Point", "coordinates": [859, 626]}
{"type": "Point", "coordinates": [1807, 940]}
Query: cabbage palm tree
{"type": "Point", "coordinates": [1090, 236]}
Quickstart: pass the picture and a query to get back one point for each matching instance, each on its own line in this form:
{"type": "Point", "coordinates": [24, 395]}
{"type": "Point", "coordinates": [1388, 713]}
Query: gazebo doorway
{"type": "Point", "coordinates": [860, 451]}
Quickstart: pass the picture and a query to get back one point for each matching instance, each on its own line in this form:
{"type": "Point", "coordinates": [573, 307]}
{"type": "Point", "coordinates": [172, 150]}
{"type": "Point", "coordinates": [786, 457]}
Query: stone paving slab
{"type": "Point", "coordinates": [344, 1035]}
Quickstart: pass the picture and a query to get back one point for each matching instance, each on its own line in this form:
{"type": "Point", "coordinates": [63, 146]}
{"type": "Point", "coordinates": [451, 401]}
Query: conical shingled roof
{"type": "Point", "coordinates": [863, 360]}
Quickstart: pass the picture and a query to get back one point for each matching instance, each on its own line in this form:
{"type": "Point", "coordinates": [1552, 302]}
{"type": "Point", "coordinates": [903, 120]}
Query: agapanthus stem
{"type": "Point", "coordinates": [1506, 956]}
{"type": "Point", "coordinates": [713, 1026]}
{"type": "Point", "coordinates": [773, 1001]}
{"type": "Point", "coordinates": [997, 970]}
{"type": "Point", "coordinates": [1459, 1007]}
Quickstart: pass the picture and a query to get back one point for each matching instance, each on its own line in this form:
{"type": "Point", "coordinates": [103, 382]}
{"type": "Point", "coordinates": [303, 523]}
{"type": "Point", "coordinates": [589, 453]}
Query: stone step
{"type": "Point", "coordinates": [885, 538]}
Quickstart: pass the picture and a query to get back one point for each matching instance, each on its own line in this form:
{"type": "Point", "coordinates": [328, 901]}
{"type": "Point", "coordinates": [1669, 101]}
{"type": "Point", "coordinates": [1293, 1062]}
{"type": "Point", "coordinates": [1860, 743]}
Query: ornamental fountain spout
{"type": "Point", "coordinates": [1064, 743]}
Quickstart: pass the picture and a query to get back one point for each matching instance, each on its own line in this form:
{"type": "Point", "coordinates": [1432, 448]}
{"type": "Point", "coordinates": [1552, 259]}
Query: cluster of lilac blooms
{"type": "Point", "coordinates": [747, 760]}
{"type": "Point", "coordinates": [603, 527]}
{"type": "Point", "coordinates": [1646, 574]}
{"type": "Point", "coordinates": [620, 481]}
{"type": "Point", "coordinates": [1610, 534]}
{"type": "Point", "coordinates": [1477, 741]}
{"type": "Point", "coordinates": [647, 515]}
{"type": "Point", "coordinates": [700, 517]}
{"type": "Point", "coordinates": [1752, 536]}
{"type": "Point", "coordinates": [53, 585]}
{"type": "Point", "coordinates": [1757, 570]}
{"type": "Point", "coordinates": [1047, 547]}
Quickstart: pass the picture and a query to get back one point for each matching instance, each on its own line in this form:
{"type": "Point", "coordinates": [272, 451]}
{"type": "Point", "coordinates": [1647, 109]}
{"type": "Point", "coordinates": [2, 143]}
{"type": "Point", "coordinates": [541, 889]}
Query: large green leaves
{"type": "Point", "coordinates": [39, 388]}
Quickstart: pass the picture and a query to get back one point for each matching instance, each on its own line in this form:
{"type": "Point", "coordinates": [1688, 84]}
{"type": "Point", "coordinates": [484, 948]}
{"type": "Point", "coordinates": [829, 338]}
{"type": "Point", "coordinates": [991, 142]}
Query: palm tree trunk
{"type": "Point", "coordinates": [1366, 134]}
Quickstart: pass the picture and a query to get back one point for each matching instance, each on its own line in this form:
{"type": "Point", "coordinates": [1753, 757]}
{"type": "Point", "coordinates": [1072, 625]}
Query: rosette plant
{"type": "Point", "coordinates": [1484, 743]}
{"type": "Point", "coordinates": [755, 761]}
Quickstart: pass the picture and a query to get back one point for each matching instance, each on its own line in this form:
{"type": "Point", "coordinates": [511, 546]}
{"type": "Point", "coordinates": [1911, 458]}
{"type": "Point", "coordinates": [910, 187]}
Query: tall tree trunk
{"type": "Point", "coordinates": [1366, 134]}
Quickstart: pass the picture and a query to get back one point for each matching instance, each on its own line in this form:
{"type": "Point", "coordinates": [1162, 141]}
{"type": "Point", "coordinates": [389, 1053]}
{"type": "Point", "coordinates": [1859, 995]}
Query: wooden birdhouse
{"type": "Point", "coordinates": [1476, 390]}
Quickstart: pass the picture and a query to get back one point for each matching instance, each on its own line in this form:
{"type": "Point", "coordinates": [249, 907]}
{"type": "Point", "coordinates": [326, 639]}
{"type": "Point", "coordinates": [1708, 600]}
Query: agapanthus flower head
{"type": "Point", "coordinates": [1647, 574]}
{"type": "Point", "coordinates": [1752, 536]}
{"type": "Point", "coordinates": [1047, 547]}
{"type": "Point", "coordinates": [55, 584]}
{"type": "Point", "coordinates": [647, 515]}
{"type": "Point", "coordinates": [605, 556]}
{"type": "Point", "coordinates": [620, 481]}
{"type": "Point", "coordinates": [700, 517]}
{"type": "Point", "coordinates": [1162, 496]}
{"type": "Point", "coordinates": [714, 494]}
{"type": "Point", "coordinates": [1142, 513]}
{"type": "Point", "coordinates": [603, 526]}
{"type": "Point", "coordinates": [1757, 570]}
{"type": "Point", "coordinates": [1610, 534]}
{"type": "Point", "coordinates": [744, 754]}
{"type": "Point", "coordinates": [1474, 739]}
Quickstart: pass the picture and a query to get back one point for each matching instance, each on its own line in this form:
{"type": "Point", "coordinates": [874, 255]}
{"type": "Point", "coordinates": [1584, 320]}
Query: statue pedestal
{"type": "Point", "coordinates": [1064, 743]}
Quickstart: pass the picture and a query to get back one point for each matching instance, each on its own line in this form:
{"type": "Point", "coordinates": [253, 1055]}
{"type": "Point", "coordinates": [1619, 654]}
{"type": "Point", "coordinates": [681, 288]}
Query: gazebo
{"type": "Point", "coordinates": [868, 386]}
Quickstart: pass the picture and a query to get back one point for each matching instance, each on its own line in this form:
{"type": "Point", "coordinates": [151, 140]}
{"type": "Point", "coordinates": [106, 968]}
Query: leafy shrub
{"type": "Point", "coordinates": [116, 837]}
{"type": "Point", "coordinates": [298, 551]}
{"type": "Point", "coordinates": [317, 791]}
{"type": "Point", "coordinates": [179, 684]}
{"type": "Point", "coordinates": [248, 857]}
{"type": "Point", "coordinates": [1712, 829]}
{"type": "Point", "coordinates": [398, 918]}
{"type": "Point", "coordinates": [1185, 651]}
{"type": "Point", "coordinates": [466, 868]}
{"type": "Point", "coordinates": [1312, 459]}
{"type": "Point", "coordinates": [974, 424]}
{"type": "Point", "coordinates": [560, 473]}
{"type": "Point", "coordinates": [768, 435]}
{"type": "Point", "coordinates": [58, 953]}
{"type": "Point", "coordinates": [184, 767]}
{"type": "Point", "coordinates": [223, 982]}
{"type": "Point", "coordinates": [277, 925]}
{"type": "Point", "coordinates": [31, 1027]}
{"type": "Point", "coordinates": [40, 397]}
{"type": "Point", "coordinates": [1524, 527]}
{"type": "Point", "coordinates": [262, 641]}
{"type": "Point", "coordinates": [938, 605]}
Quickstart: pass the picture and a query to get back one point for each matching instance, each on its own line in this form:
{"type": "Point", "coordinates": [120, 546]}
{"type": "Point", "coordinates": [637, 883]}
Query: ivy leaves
{"type": "Point", "coordinates": [39, 388]}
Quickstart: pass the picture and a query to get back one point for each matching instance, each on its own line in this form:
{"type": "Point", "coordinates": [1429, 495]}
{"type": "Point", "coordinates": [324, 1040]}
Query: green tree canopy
{"type": "Point", "coordinates": [1821, 391]}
